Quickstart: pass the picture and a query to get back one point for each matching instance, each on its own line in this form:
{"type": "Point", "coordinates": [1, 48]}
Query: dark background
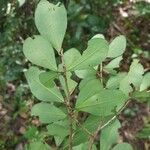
{"type": "Point", "coordinates": [85, 19]}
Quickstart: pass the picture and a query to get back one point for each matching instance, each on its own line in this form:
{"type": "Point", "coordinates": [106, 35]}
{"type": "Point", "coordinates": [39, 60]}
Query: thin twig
{"type": "Point", "coordinates": [101, 72]}
{"type": "Point", "coordinates": [71, 115]}
{"type": "Point", "coordinates": [100, 127]}
{"type": "Point", "coordinates": [67, 102]}
{"type": "Point", "coordinates": [83, 128]}
{"type": "Point", "coordinates": [114, 117]}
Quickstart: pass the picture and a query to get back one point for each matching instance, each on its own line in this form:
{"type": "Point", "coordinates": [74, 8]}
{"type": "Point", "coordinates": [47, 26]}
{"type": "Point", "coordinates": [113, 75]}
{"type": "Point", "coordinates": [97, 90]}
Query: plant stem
{"type": "Point", "coordinates": [83, 128]}
{"type": "Point", "coordinates": [67, 102]}
{"type": "Point", "coordinates": [100, 127]}
{"type": "Point", "coordinates": [71, 115]}
{"type": "Point", "coordinates": [101, 72]}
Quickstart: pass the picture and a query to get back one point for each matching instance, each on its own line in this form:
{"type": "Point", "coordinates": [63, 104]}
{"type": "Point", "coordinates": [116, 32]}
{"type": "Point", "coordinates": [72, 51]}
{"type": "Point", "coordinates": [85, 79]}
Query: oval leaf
{"type": "Point", "coordinates": [145, 82]}
{"type": "Point", "coordinates": [95, 53]}
{"type": "Point", "coordinates": [40, 91]}
{"type": "Point", "coordinates": [103, 103]}
{"type": "Point", "coordinates": [40, 52]}
{"type": "Point", "coordinates": [87, 73]}
{"type": "Point", "coordinates": [114, 81]}
{"type": "Point", "coordinates": [51, 21]}
{"type": "Point", "coordinates": [114, 63]}
{"type": "Point", "coordinates": [70, 56]}
{"type": "Point", "coordinates": [86, 91]}
{"type": "Point", "coordinates": [47, 113]}
{"type": "Point", "coordinates": [46, 78]}
{"type": "Point", "coordinates": [117, 46]}
{"type": "Point", "coordinates": [134, 76]}
{"type": "Point", "coordinates": [58, 129]}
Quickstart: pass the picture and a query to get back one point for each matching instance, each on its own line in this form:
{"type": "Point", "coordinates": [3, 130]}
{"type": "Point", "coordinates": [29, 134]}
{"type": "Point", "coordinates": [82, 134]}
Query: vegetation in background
{"type": "Point", "coordinates": [85, 19]}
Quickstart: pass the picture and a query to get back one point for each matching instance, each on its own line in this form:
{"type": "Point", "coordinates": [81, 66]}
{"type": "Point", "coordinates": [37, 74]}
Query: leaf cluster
{"type": "Point", "coordinates": [101, 98]}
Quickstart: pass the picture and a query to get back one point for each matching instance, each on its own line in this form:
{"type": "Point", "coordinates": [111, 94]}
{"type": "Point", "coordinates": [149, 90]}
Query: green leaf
{"type": "Point", "coordinates": [47, 78]}
{"type": "Point", "coordinates": [97, 100]}
{"type": "Point", "coordinates": [40, 91]}
{"type": "Point", "coordinates": [123, 146]}
{"type": "Point", "coordinates": [70, 56]}
{"type": "Point", "coordinates": [144, 133]}
{"type": "Point", "coordinates": [87, 91]}
{"type": "Point", "coordinates": [71, 83]}
{"type": "Point", "coordinates": [98, 36]}
{"type": "Point", "coordinates": [125, 86]}
{"type": "Point", "coordinates": [109, 135]}
{"type": "Point", "coordinates": [31, 133]}
{"type": "Point", "coordinates": [114, 63]}
{"type": "Point", "coordinates": [51, 21]}
{"type": "Point", "coordinates": [136, 70]}
{"type": "Point", "coordinates": [91, 125]}
{"type": "Point", "coordinates": [95, 53]}
{"type": "Point", "coordinates": [134, 77]}
{"type": "Point", "coordinates": [141, 96]}
{"type": "Point", "coordinates": [58, 140]}
{"type": "Point", "coordinates": [40, 52]}
{"type": "Point", "coordinates": [58, 129]}
{"type": "Point", "coordinates": [84, 146]}
{"type": "Point", "coordinates": [117, 47]}
{"type": "Point", "coordinates": [87, 73]}
{"type": "Point", "coordinates": [101, 103]}
{"type": "Point", "coordinates": [86, 80]}
{"type": "Point", "coordinates": [114, 81]}
{"type": "Point", "coordinates": [21, 2]}
{"type": "Point", "coordinates": [145, 82]}
{"type": "Point", "coordinates": [47, 113]}
{"type": "Point", "coordinates": [38, 145]}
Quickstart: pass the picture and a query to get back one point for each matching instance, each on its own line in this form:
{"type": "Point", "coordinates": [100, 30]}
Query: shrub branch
{"type": "Point", "coordinates": [100, 127]}
{"type": "Point", "coordinates": [67, 102]}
